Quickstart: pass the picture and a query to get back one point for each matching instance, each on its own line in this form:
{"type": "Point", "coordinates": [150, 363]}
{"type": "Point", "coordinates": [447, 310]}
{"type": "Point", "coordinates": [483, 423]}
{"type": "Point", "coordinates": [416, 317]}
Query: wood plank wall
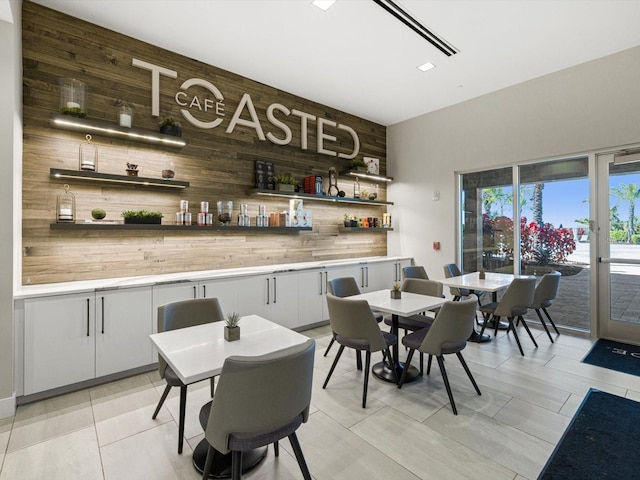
{"type": "Point", "coordinates": [219, 166]}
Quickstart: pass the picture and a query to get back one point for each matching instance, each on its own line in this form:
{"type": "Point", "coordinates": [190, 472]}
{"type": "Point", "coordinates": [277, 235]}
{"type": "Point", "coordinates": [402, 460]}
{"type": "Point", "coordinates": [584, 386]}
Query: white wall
{"type": "Point", "coordinates": [10, 155]}
{"type": "Point", "coordinates": [594, 105]}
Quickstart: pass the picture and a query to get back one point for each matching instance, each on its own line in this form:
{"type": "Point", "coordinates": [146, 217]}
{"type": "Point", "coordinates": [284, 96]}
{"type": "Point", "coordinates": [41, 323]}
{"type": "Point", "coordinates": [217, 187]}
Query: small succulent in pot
{"type": "Point", "coordinates": [231, 329]}
{"type": "Point", "coordinates": [232, 320]}
{"type": "Point", "coordinates": [395, 291]}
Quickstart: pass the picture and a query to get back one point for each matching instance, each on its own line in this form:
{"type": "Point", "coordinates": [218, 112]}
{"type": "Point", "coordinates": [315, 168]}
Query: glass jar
{"type": "Point", "coordinates": [168, 168]}
{"type": "Point", "coordinates": [73, 97]}
{"type": "Point", "coordinates": [356, 189]}
{"type": "Point", "coordinates": [225, 208]}
{"type": "Point", "coordinates": [125, 115]}
{"type": "Point", "coordinates": [66, 206]}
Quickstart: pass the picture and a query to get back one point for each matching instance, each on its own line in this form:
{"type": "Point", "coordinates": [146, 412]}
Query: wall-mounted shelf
{"type": "Point", "coordinates": [112, 129]}
{"type": "Point", "coordinates": [191, 228]}
{"type": "Point", "coordinates": [364, 230]}
{"type": "Point", "coordinates": [366, 175]}
{"type": "Point", "coordinates": [112, 178]}
{"type": "Point", "coordinates": [319, 198]}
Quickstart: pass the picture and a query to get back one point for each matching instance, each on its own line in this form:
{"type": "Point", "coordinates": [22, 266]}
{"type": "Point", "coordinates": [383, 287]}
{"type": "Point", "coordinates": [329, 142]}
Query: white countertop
{"type": "Point", "coordinates": [27, 291]}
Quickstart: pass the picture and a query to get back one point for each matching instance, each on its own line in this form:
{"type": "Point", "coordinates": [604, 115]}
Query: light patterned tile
{"type": "Point", "coordinates": [633, 395]}
{"type": "Point", "coordinates": [571, 406]}
{"type": "Point", "coordinates": [591, 372]}
{"type": "Point", "coordinates": [424, 451]}
{"type": "Point", "coordinates": [516, 450]}
{"type": "Point", "coordinates": [65, 457]}
{"type": "Point", "coordinates": [47, 419]}
{"type": "Point", "coordinates": [543, 424]}
{"type": "Point", "coordinates": [335, 453]}
{"type": "Point", "coordinates": [197, 396]}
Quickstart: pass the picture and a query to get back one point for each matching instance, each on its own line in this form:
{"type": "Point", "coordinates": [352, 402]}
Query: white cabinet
{"type": "Point", "coordinates": [59, 341]}
{"type": "Point", "coordinates": [274, 297]}
{"type": "Point", "coordinates": [123, 325]}
{"type": "Point", "coordinates": [225, 290]}
{"type": "Point", "coordinates": [312, 291]}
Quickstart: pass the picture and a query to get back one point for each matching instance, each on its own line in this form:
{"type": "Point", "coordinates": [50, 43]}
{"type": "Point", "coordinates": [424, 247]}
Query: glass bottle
{"type": "Point", "coordinates": [356, 188]}
{"type": "Point", "coordinates": [73, 97]}
{"type": "Point", "coordinates": [168, 168]}
{"type": "Point", "coordinates": [66, 206]}
{"type": "Point", "coordinates": [88, 156]}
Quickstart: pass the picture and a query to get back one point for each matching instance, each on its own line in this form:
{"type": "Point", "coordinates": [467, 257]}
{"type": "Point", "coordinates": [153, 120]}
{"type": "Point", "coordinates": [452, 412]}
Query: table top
{"type": "Point", "coordinates": [492, 282]}
{"type": "Point", "coordinates": [409, 304]}
{"type": "Point", "coordinates": [199, 352]}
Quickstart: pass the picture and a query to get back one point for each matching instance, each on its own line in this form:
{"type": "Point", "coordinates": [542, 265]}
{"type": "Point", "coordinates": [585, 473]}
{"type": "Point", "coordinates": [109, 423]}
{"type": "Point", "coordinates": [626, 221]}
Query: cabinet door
{"type": "Point", "coordinates": [254, 295]}
{"type": "Point", "coordinates": [225, 290]}
{"type": "Point", "coordinates": [380, 275]}
{"type": "Point", "coordinates": [312, 285]}
{"type": "Point", "coordinates": [274, 297]}
{"type": "Point", "coordinates": [123, 325]}
{"type": "Point", "coordinates": [59, 341]}
{"type": "Point", "coordinates": [170, 292]}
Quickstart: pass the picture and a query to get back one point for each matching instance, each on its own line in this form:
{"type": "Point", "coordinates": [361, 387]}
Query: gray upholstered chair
{"type": "Point", "coordinates": [173, 316]}
{"type": "Point", "coordinates": [346, 287]}
{"type": "Point", "coordinates": [448, 334]}
{"type": "Point", "coordinates": [415, 271]}
{"type": "Point", "coordinates": [513, 305]}
{"type": "Point", "coordinates": [259, 401]}
{"type": "Point", "coordinates": [355, 326]}
{"type": "Point", "coordinates": [545, 293]}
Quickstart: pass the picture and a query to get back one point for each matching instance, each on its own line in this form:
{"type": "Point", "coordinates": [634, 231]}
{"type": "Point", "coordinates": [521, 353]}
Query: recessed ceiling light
{"type": "Point", "coordinates": [323, 4]}
{"type": "Point", "coordinates": [426, 66]}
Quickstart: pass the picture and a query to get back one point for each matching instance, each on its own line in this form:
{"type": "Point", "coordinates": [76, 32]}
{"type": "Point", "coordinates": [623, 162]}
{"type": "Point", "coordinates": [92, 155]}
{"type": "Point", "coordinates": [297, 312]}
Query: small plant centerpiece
{"type": "Point", "coordinates": [231, 329]}
{"type": "Point", "coordinates": [396, 293]}
{"type": "Point", "coordinates": [142, 216]}
{"type": "Point", "coordinates": [98, 213]}
{"type": "Point", "coordinates": [285, 183]}
{"type": "Point", "coordinates": [171, 126]}
{"type": "Point", "coordinates": [358, 166]}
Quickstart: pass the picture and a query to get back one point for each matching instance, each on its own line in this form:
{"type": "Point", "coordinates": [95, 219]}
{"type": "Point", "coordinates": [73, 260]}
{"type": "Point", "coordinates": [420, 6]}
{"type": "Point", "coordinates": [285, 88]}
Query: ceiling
{"type": "Point", "coordinates": [358, 58]}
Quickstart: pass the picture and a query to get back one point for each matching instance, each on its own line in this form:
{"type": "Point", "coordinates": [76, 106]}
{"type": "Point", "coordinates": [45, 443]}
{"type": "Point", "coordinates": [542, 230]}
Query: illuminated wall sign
{"type": "Point", "coordinates": [281, 134]}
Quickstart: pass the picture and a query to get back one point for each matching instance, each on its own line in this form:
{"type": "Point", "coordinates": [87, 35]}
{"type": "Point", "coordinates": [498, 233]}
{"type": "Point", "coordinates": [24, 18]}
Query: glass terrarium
{"type": "Point", "coordinates": [225, 208]}
{"type": "Point", "coordinates": [66, 206]}
{"type": "Point", "coordinates": [73, 97]}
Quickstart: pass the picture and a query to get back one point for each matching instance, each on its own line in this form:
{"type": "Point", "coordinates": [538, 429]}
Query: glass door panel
{"type": "Point", "coordinates": [619, 247]}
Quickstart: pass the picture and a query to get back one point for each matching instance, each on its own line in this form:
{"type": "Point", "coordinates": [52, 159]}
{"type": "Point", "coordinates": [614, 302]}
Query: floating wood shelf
{"type": "Point", "coordinates": [190, 228]}
{"type": "Point", "coordinates": [112, 129]}
{"type": "Point", "coordinates": [366, 175]}
{"type": "Point", "coordinates": [364, 230]}
{"type": "Point", "coordinates": [319, 198]}
{"type": "Point", "coordinates": [112, 178]}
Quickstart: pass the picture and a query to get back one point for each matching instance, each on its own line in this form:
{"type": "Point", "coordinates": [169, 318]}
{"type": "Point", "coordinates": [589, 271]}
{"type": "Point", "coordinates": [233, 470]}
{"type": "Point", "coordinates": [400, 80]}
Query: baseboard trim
{"type": "Point", "coordinates": [8, 406]}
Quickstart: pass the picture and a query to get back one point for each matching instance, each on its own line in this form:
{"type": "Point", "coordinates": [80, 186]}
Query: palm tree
{"type": "Point", "coordinates": [537, 203]}
{"type": "Point", "coordinates": [628, 192]}
{"type": "Point", "coordinates": [493, 195]}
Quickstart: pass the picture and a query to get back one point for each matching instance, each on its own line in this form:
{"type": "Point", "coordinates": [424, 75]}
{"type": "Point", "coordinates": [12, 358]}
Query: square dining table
{"type": "Point", "coordinates": [197, 353]}
{"type": "Point", "coordinates": [409, 304]}
{"type": "Point", "coordinates": [492, 283]}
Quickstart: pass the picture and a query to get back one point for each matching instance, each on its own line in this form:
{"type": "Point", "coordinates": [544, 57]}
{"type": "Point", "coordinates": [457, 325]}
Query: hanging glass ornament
{"type": "Point", "coordinates": [66, 206]}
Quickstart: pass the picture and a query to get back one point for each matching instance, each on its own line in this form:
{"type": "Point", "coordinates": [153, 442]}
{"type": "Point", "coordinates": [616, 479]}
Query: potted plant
{"type": "Point", "coordinates": [231, 329]}
{"type": "Point", "coordinates": [73, 111]}
{"type": "Point", "coordinates": [171, 126]}
{"type": "Point", "coordinates": [285, 183]}
{"type": "Point", "coordinates": [373, 196]}
{"type": "Point", "coordinates": [358, 166]}
{"type": "Point", "coordinates": [395, 291]}
{"type": "Point", "coordinates": [132, 169]}
{"type": "Point", "coordinates": [142, 216]}
{"type": "Point", "coordinates": [350, 220]}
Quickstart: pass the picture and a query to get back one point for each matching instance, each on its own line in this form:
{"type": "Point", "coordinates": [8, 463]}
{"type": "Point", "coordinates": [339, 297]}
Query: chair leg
{"type": "Point", "coordinates": [406, 367]}
{"type": "Point", "coordinates": [161, 402]}
{"type": "Point", "coordinates": [515, 334]}
{"type": "Point", "coordinates": [236, 465]}
{"type": "Point", "coordinates": [212, 386]}
{"type": "Point", "coordinates": [183, 409]}
{"type": "Point", "coordinates": [421, 364]}
{"type": "Point", "coordinates": [526, 327]}
{"type": "Point", "coordinates": [295, 444]}
{"type": "Point", "coordinates": [359, 360]}
{"type": "Point", "coordinates": [446, 384]}
{"type": "Point", "coordinates": [333, 339]}
{"type": "Point", "coordinates": [544, 324]}
{"type": "Point", "coordinates": [208, 464]}
{"type": "Point", "coordinates": [367, 363]}
{"type": "Point", "coordinates": [387, 353]}
{"type": "Point", "coordinates": [497, 324]}
{"type": "Point", "coordinates": [429, 364]}
{"type": "Point", "coordinates": [550, 320]}
{"type": "Point", "coordinates": [333, 366]}
{"type": "Point", "coordinates": [276, 448]}
{"type": "Point", "coordinates": [466, 369]}
{"type": "Point", "coordinates": [484, 325]}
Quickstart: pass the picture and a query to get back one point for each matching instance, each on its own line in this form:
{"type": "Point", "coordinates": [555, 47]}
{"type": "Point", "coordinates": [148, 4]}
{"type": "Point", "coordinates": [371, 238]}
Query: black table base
{"type": "Point", "coordinates": [475, 337]}
{"type": "Point", "coordinates": [222, 462]}
{"type": "Point", "coordinates": [383, 372]}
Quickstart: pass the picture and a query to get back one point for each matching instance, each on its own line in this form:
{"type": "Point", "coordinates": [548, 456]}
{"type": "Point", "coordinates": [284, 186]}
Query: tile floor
{"type": "Point", "coordinates": [106, 432]}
